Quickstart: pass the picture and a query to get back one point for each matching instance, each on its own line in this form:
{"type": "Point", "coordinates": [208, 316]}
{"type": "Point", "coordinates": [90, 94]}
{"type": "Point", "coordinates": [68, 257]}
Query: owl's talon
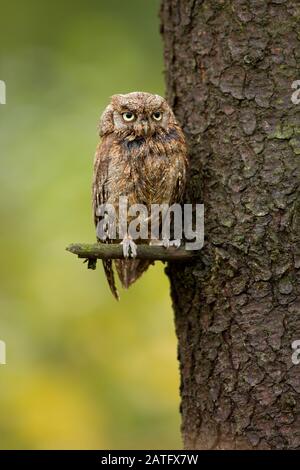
{"type": "Point", "coordinates": [166, 243]}
{"type": "Point", "coordinates": [175, 243]}
{"type": "Point", "coordinates": [129, 248]}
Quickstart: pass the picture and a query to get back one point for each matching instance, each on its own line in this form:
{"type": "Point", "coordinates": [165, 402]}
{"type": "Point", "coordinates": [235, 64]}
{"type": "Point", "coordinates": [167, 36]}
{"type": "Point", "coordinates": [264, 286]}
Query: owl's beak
{"type": "Point", "coordinates": [145, 128]}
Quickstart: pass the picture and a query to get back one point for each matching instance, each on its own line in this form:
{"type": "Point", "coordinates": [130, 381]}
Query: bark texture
{"type": "Point", "coordinates": [230, 65]}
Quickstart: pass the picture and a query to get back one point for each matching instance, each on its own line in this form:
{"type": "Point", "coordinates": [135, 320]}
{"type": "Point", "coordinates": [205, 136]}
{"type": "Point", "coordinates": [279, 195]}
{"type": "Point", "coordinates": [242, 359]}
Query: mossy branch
{"type": "Point", "coordinates": [92, 252]}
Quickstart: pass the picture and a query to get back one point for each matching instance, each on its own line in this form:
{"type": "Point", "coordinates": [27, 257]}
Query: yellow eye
{"type": "Point", "coordinates": [128, 116]}
{"type": "Point", "coordinates": [157, 116]}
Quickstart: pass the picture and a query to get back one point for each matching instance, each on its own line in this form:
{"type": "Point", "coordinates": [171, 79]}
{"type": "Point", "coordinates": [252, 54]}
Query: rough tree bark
{"type": "Point", "coordinates": [230, 65]}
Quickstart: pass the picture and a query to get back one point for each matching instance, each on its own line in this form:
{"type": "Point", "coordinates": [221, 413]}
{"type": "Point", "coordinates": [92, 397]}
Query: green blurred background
{"type": "Point", "coordinates": [83, 371]}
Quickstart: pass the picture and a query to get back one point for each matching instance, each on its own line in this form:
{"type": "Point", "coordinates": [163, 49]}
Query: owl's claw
{"type": "Point", "coordinates": [175, 243]}
{"type": "Point", "coordinates": [165, 242]}
{"type": "Point", "coordinates": [129, 247]}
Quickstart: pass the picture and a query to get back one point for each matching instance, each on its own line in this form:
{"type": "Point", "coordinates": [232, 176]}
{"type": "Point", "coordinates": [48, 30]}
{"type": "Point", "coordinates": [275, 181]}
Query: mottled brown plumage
{"type": "Point", "coordinates": [142, 155]}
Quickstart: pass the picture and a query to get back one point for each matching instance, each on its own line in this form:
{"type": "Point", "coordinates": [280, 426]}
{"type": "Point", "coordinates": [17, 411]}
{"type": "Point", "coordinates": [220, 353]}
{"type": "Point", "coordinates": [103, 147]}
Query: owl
{"type": "Point", "coordinates": [142, 156]}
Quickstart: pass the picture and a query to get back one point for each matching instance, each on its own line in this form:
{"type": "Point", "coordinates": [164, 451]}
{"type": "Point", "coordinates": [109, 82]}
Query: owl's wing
{"type": "Point", "coordinates": [178, 179]}
{"type": "Point", "coordinates": [180, 163]}
{"type": "Point", "coordinates": [100, 180]}
{"type": "Point", "coordinates": [100, 196]}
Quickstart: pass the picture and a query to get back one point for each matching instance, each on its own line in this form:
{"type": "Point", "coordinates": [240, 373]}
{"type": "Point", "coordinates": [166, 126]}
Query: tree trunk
{"type": "Point", "coordinates": [230, 66]}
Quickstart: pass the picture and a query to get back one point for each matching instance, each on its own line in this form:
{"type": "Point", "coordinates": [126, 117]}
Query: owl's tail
{"type": "Point", "coordinates": [108, 269]}
{"type": "Point", "coordinates": [129, 270]}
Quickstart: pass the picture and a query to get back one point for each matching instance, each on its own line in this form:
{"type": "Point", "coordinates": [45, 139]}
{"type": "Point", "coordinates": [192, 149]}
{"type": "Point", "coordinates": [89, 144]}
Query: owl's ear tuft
{"type": "Point", "coordinates": [106, 125]}
{"type": "Point", "coordinates": [117, 99]}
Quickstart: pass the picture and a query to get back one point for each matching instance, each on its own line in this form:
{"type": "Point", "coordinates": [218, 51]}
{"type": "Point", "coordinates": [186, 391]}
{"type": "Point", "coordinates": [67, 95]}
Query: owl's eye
{"type": "Point", "coordinates": [157, 115]}
{"type": "Point", "coordinates": [128, 116]}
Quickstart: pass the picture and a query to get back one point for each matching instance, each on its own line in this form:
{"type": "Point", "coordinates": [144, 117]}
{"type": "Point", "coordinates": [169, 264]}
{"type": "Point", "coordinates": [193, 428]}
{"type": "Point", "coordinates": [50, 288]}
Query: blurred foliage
{"type": "Point", "coordinates": [83, 371]}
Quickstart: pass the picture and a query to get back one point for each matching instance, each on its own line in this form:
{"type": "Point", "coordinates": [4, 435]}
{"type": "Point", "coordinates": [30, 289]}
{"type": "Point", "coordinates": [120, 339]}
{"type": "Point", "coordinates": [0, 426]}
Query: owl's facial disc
{"type": "Point", "coordinates": [147, 123]}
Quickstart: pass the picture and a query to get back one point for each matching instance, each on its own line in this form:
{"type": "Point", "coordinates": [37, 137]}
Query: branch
{"type": "Point", "coordinates": [113, 251]}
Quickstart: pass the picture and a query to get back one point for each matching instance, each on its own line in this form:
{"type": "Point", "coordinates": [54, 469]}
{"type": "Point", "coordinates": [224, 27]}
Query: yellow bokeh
{"type": "Point", "coordinates": [83, 371]}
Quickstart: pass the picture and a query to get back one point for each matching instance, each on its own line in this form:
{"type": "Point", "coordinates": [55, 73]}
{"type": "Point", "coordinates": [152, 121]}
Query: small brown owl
{"type": "Point", "coordinates": [142, 155]}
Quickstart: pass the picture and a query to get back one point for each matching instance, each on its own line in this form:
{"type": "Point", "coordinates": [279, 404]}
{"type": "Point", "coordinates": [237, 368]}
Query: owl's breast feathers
{"type": "Point", "coordinates": [147, 170]}
{"type": "Point", "coordinates": [157, 164]}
